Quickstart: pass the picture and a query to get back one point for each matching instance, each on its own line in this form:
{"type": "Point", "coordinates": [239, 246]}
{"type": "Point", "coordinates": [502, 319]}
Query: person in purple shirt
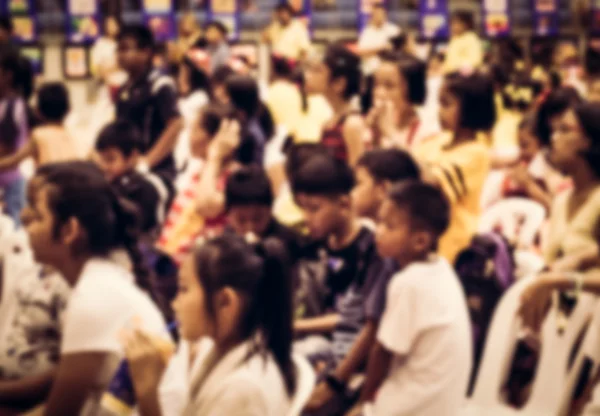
{"type": "Point", "coordinates": [13, 131]}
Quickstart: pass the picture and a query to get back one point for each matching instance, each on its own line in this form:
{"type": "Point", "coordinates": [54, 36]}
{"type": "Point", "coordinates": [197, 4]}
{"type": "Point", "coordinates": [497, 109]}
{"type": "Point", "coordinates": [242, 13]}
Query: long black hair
{"type": "Point", "coordinates": [588, 115]}
{"type": "Point", "coordinates": [261, 275]}
{"type": "Point", "coordinates": [79, 190]}
{"type": "Point", "coordinates": [476, 95]}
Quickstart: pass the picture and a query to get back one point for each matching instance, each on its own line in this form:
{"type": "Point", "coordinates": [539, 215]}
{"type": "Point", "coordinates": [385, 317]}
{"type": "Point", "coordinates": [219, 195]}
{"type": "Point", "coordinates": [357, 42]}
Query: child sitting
{"type": "Point", "coordinates": [355, 280]}
{"type": "Point", "coordinates": [49, 142]}
{"type": "Point", "coordinates": [119, 147]}
{"type": "Point", "coordinates": [421, 362]}
{"type": "Point", "coordinates": [248, 201]}
{"type": "Point", "coordinates": [375, 171]}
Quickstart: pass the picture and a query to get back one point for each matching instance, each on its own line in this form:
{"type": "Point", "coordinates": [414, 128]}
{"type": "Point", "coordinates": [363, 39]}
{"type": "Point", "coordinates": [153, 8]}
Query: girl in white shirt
{"type": "Point", "coordinates": [74, 221]}
{"type": "Point", "coordinates": [400, 87]}
{"type": "Point", "coordinates": [240, 297]}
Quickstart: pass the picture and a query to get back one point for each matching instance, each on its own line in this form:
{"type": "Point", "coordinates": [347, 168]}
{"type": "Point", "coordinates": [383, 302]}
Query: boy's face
{"type": "Point", "coordinates": [114, 163]}
{"type": "Point", "coordinates": [131, 57]}
{"type": "Point", "coordinates": [395, 237]}
{"type": "Point", "coordinates": [457, 27]}
{"type": "Point", "coordinates": [367, 194]}
{"type": "Point", "coordinates": [252, 218]}
{"type": "Point", "coordinates": [213, 35]}
{"type": "Point", "coordinates": [322, 213]}
{"type": "Point", "coordinates": [316, 75]}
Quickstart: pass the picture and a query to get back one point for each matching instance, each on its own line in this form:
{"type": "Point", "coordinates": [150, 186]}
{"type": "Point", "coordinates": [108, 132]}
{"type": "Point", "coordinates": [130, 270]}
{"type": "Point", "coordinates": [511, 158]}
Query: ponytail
{"type": "Point", "coordinates": [275, 300]}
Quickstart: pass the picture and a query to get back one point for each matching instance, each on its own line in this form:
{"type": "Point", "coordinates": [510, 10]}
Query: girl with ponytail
{"type": "Point", "coordinates": [76, 224]}
{"type": "Point", "coordinates": [239, 296]}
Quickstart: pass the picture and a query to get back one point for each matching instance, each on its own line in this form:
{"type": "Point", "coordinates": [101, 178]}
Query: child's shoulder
{"type": "Point", "coordinates": [425, 273]}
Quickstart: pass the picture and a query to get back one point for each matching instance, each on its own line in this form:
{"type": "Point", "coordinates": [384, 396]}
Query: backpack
{"type": "Point", "coordinates": [9, 129]}
{"type": "Point", "coordinates": [486, 270]}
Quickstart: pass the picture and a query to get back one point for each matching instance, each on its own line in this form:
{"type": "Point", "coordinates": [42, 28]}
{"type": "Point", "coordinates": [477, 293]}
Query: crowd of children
{"type": "Point", "coordinates": [339, 250]}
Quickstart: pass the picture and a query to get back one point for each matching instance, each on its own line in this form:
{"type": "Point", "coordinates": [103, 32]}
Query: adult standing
{"type": "Point", "coordinates": [288, 36]}
{"type": "Point", "coordinates": [375, 38]}
{"type": "Point", "coordinates": [465, 49]}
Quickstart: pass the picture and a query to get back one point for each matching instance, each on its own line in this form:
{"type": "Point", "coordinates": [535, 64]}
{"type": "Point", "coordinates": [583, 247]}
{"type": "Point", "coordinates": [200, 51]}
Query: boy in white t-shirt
{"type": "Point", "coordinates": [422, 360]}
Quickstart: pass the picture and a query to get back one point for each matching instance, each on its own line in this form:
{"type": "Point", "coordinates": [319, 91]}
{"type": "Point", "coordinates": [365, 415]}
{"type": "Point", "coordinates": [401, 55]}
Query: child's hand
{"type": "Point", "coordinates": [147, 358]}
{"type": "Point", "coordinates": [321, 395]}
{"type": "Point", "coordinates": [535, 301]}
{"type": "Point", "coordinates": [226, 141]}
{"type": "Point", "coordinates": [520, 175]}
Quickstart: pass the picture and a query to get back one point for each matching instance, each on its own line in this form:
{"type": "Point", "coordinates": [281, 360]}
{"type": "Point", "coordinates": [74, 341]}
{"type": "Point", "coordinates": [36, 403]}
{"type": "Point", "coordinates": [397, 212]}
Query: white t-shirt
{"type": "Point", "coordinates": [375, 38]}
{"type": "Point", "coordinates": [290, 41]}
{"type": "Point", "coordinates": [105, 301]}
{"type": "Point", "coordinates": [426, 326]}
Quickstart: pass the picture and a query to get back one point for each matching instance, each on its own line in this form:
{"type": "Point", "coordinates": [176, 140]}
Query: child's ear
{"type": "Point", "coordinates": [422, 241]}
{"type": "Point", "coordinates": [71, 232]}
{"type": "Point", "coordinates": [382, 188]}
{"type": "Point", "coordinates": [345, 201]}
{"type": "Point", "coordinates": [134, 158]}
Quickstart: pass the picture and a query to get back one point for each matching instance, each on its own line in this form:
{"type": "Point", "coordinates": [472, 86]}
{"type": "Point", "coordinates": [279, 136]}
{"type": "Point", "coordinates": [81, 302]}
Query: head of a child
{"type": "Point", "coordinates": [53, 102]}
{"type": "Point", "coordinates": [73, 214]}
{"type": "Point", "coordinates": [242, 94]}
{"type": "Point", "coordinates": [111, 27]}
{"type": "Point", "coordinates": [249, 200]}
{"type": "Point", "coordinates": [401, 79]}
{"type": "Point", "coordinates": [378, 15]}
{"type": "Point", "coordinates": [191, 78]}
{"type": "Point", "coordinates": [119, 146]}
{"type": "Point", "coordinates": [215, 33]}
{"type": "Point", "coordinates": [550, 111]}
{"type": "Point", "coordinates": [230, 291]}
{"type": "Point", "coordinates": [375, 172]}
{"type": "Point", "coordinates": [218, 83]}
{"type": "Point", "coordinates": [461, 22]}
{"type": "Point", "coordinates": [576, 141]}
{"type": "Point", "coordinates": [322, 188]}
{"type": "Point", "coordinates": [135, 49]}
{"type": "Point", "coordinates": [411, 220]}
{"type": "Point", "coordinates": [336, 75]}
{"type": "Point", "coordinates": [206, 127]}
{"type": "Point", "coordinates": [6, 28]}
{"type": "Point", "coordinates": [593, 92]}
{"type": "Point", "coordinates": [529, 143]}
{"type": "Point", "coordinates": [284, 13]}
{"type": "Point", "coordinates": [467, 103]}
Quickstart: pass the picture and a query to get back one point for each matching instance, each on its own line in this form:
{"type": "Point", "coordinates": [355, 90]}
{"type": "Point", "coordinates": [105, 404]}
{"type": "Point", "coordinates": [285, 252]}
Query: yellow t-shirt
{"type": "Point", "coordinates": [461, 172]}
{"type": "Point", "coordinates": [285, 104]}
{"type": "Point", "coordinates": [464, 51]}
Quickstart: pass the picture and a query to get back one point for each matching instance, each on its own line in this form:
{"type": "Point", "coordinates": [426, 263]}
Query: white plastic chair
{"type": "Point", "coordinates": [553, 382]}
{"type": "Point", "coordinates": [305, 383]}
{"type": "Point", "coordinates": [520, 220]}
{"type": "Point", "coordinates": [527, 263]}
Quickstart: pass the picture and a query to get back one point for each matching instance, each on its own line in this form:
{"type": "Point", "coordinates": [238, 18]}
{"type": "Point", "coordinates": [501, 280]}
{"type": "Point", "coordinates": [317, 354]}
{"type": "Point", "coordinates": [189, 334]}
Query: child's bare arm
{"type": "Point", "coordinates": [320, 324]}
{"type": "Point", "coordinates": [358, 354]}
{"type": "Point", "coordinates": [377, 369]}
{"type": "Point", "coordinates": [12, 161]}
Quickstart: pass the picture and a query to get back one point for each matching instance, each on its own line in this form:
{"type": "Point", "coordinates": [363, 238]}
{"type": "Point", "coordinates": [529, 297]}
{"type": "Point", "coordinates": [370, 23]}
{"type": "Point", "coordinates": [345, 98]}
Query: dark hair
{"type": "Point", "coordinates": [464, 16]}
{"type": "Point", "coordinates": [556, 103]}
{"type": "Point", "coordinates": [262, 276]}
{"type": "Point", "coordinates": [143, 36]}
{"type": "Point", "coordinates": [217, 24]}
{"type": "Point", "coordinates": [243, 93]}
{"type": "Point", "coordinates": [9, 128]}
{"type": "Point", "coordinates": [265, 120]}
{"type": "Point", "coordinates": [588, 115]}
{"type": "Point", "coordinates": [414, 73]}
{"type": "Point", "coordinates": [6, 24]}
{"type": "Point", "coordinates": [24, 78]}
{"type": "Point", "coordinates": [10, 62]}
{"type": "Point", "coordinates": [323, 175]}
{"type": "Point", "coordinates": [247, 186]}
{"type": "Point", "coordinates": [297, 154]}
{"type": "Point", "coordinates": [342, 63]}
{"type": "Point", "coordinates": [212, 116]}
{"type": "Point", "coordinates": [528, 123]}
{"type": "Point", "coordinates": [282, 66]}
{"type": "Point", "coordinates": [285, 7]}
{"type": "Point", "coordinates": [79, 190]}
{"type": "Point", "coordinates": [220, 74]}
{"type": "Point", "coordinates": [122, 135]}
{"type": "Point", "coordinates": [199, 81]}
{"type": "Point", "coordinates": [53, 102]}
{"type": "Point", "coordinates": [427, 206]}
{"type": "Point", "coordinates": [476, 95]}
{"type": "Point", "coordinates": [389, 165]}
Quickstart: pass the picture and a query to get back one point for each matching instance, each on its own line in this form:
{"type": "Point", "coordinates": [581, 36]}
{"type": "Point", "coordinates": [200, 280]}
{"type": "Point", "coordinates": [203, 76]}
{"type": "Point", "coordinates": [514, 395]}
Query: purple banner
{"type": "Point", "coordinates": [545, 17]}
{"type": "Point", "coordinates": [160, 18]}
{"type": "Point", "coordinates": [496, 18]}
{"type": "Point", "coordinates": [595, 10]}
{"type": "Point", "coordinates": [434, 19]}
{"type": "Point", "coordinates": [228, 13]}
{"type": "Point", "coordinates": [83, 21]}
{"type": "Point", "coordinates": [23, 17]}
